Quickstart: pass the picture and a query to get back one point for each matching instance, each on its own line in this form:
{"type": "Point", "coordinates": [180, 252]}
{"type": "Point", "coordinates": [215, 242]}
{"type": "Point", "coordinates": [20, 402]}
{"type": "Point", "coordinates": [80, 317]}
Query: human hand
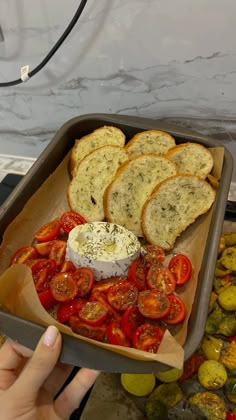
{"type": "Point", "coordinates": [30, 380]}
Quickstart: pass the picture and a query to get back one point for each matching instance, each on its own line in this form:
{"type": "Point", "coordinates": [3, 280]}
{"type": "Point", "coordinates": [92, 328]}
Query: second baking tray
{"type": "Point", "coordinates": [78, 352]}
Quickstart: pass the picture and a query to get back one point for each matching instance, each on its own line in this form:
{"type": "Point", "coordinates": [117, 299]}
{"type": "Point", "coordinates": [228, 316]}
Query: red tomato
{"type": "Point", "coordinates": [131, 320]}
{"type": "Point", "coordinates": [97, 296]}
{"type": "Point", "coordinates": [46, 299]}
{"type": "Point", "coordinates": [85, 280]}
{"type": "Point", "coordinates": [58, 252]}
{"type": "Point", "coordinates": [161, 278]}
{"type": "Point", "coordinates": [231, 338]}
{"type": "Point", "coordinates": [63, 287]}
{"type": "Point", "coordinates": [122, 295]}
{"type": "Point", "coordinates": [48, 232]}
{"type": "Point", "coordinates": [94, 313]}
{"type": "Point", "coordinates": [191, 366]}
{"type": "Point", "coordinates": [153, 255]}
{"type": "Point", "coordinates": [71, 219]}
{"type": "Point", "coordinates": [137, 273]}
{"type": "Point", "coordinates": [79, 327]}
{"type": "Point", "coordinates": [153, 303]}
{"type": "Point", "coordinates": [104, 285]}
{"type": "Point", "coordinates": [181, 268]}
{"type": "Point", "coordinates": [24, 254]}
{"type": "Point", "coordinates": [148, 337]}
{"type": "Point", "coordinates": [43, 248]}
{"type": "Point", "coordinates": [42, 272]}
{"type": "Point", "coordinates": [230, 416]}
{"type": "Point", "coordinates": [116, 336]}
{"type": "Point", "coordinates": [67, 266]}
{"type": "Point", "coordinates": [66, 309]}
{"type": "Point", "coordinates": [177, 310]}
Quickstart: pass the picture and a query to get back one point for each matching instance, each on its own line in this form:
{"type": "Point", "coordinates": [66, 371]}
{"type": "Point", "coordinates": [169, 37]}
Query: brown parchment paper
{"type": "Point", "coordinates": [17, 292]}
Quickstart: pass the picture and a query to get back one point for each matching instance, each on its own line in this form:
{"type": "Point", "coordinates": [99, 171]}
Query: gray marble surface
{"type": "Point", "coordinates": [151, 58]}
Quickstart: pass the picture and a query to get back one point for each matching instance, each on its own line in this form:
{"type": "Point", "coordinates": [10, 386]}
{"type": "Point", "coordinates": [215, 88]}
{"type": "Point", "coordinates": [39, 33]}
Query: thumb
{"type": "Point", "coordinates": [41, 363]}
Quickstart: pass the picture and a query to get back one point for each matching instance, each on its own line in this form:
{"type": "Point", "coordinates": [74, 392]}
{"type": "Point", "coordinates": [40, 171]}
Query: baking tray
{"type": "Point", "coordinates": [78, 352]}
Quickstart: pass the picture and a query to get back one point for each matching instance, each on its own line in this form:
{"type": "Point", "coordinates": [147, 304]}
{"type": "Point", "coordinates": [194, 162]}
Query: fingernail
{"type": "Point", "coordinates": [50, 336]}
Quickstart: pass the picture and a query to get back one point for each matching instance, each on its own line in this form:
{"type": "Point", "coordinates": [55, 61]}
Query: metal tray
{"type": "Point", "coordinates": [78, 352]}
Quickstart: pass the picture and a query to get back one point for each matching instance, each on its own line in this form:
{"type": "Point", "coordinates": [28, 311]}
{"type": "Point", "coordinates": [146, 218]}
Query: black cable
{"type": "Point", "coordinates": [54, 49]}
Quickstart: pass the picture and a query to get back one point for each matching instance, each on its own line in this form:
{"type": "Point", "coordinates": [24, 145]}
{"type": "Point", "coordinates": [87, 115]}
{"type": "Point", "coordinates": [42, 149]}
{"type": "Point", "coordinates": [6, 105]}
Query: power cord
{"type": "Point", "coordinates": [25, 74]}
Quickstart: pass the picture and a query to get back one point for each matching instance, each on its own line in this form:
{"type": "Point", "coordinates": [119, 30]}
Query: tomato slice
{"type": "Point", "coordinates": [191, 366]}
{"type": "Point", "coordinates": [177, 311]}
{"type": "Point", "coordinates": [70, 219]}
{"type": "Point", "coordinates": [181, 268]}
{"type": "Point", "coordinates": [161, 278]}
{"type": "Point", "coordinates": [42, 272]}
{"type": "Point", "coordinates": [48, 232]}
{"type": "Point", "coordinates": [230, 416]}
{"type": "Point", "coordinates": [23, 254]}
{"type": "Point", "coordinates": [81, 328]}
{"type": "Point", "coordinates": [116, 336]}
{"type": "Point", "coordinates": [122, 295]}
{"type": "Point", "coordinates": [137, 273]}
{"type": "Point", "coordinates": [153, 255]}
{"type": "Point", "coordinates": [131, 320]}
{"type": "Point", "coordinates": [94, 313]}
{"type": "Point", "coordinates": [67, 266]}
{"type": "Point", "coordinates": [98, 296]}
{"type": "Point", "coordinates": [66, 309]}
{"type": "Point", "coordinates": [105, 284]}
{"type": "Point", "coordinates": [148, 337]}
{"type": "Point", "coordinates": [58, 252]}
{"type": "Point", "coordinates": [63, 287]}
{"type": "Point", "coordinates": [153, 303]}
{"type": "Point", "coordinates": [43, 248]}
{"type": "Point", "coordinates": [46, 299]}
{"type": "Point", "coordinates": [85, 280]}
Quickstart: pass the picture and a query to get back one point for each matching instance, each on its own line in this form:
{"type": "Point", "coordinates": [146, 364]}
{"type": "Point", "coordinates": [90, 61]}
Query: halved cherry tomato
{"type": "Point", "coordinates": [148, 337]}
{"type": "Point", "coordinates": [46, 299]}
{"type": "Point", "coordinates": [177, 311]}
{"type": "Point", "coordinates": [131, 320]}
{"type": "Point", "coordinates": [181, 268]}
{"type": "Point", "coordinates": [93, 313]}
{"type": "Point", "coordinates": [79, 327]}
{"type": "Point", "coordinates": [116, 336]}
{"type": "Point", "coordinates": [71, 219]}
{"type": "Point", "coordinates": [137, 273]}
{"type": "Point", "coordinates": [97, 296]}
{"type": "Point", "coordinates": [42, 272]}
{"type": "Point", "coordinates": [24, 254]}
{"type": "Point", "coordinates": [104, 285]}
{"type": "Point", "coordinates": [153, 255]}
{"type": "Point", "coordinates": [66, 309]}
{"type": "Point", "coordinates": [230, 416]}
{"type": "Point", "coordinates": [231, 338]}
{"type": "Point", "coordinates": [161, 278]}
{"type": "Point", "coordinates": [191, 366]}
{"type": "Point", "coordinates": [122, 295]}
{"type": "Point", "coordinates": [43, 248]}
{"type": "Point", "coordinates": [153, 303]}
{"type": "Point", "coordinates": [85, 280]}
{"type": "Point", "coordinates": [58, 252]}
{"type": "Point", "coordinates": [67, 266]}
{"type": "Point", "coordinates": [63, 287]}
{"type": "Point", "coordinates": [48, 232]}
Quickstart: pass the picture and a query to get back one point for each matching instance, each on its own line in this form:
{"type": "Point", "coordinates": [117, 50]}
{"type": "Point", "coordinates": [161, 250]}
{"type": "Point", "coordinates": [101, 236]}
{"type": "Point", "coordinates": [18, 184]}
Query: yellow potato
{"type": "Point", "coordinates": [140, 384]}
{"type": "Point", "coordinates": [227, 298]}
{"type": "Point", "coordinates": [228, 258]}
{"type": "Point", "coordinates": [212, 375]}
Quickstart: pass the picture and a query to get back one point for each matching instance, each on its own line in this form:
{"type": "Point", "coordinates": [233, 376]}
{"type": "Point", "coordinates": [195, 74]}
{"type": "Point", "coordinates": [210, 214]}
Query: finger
{"type": "Point", "coordinates": [73, 394]}
{"type": "Point", "coordinates": [57, 378]}
{"type": "Point", "coordinates": [41, 364]}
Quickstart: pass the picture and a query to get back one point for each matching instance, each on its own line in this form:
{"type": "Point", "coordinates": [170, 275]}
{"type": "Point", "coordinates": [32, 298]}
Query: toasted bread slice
{"type": "Point", "coordinates": [192, 159]}
{"type": "Point", "coordinates": [150, 141]}
{"type": "Point", "coordinates": [98, 138]}
{"type": "Point", "coordinates": [93, 175]}
{"type": "Point", "coordinates": [174, 205]}
{"type": "Point", "coordinates": [132, 185]}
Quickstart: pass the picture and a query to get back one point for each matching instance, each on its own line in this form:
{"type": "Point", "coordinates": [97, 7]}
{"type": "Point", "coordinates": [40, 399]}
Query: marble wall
{"type": "Point", "coordinates": [152, 58]}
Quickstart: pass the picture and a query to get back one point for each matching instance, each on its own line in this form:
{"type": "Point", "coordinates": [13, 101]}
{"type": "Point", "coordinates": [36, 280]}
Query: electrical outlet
{"type": "Point", "coordinates": [1, 35]}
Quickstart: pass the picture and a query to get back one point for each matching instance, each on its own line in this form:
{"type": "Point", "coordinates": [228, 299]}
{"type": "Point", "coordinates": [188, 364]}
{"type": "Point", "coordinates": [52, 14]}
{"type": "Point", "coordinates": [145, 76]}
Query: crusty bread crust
{"type": "Point", "coordinates": [174, 205]}
{"type": "Point", "coordinates": [130, 188]}
{"type": "Point", "coordinates": [150, 141]}
{"type": "Point", "coordinates": [93, 174]}
{"type": "Point", "coordinates": [100, 137]}
{"type": "Point", "coordinates": [192, 159]}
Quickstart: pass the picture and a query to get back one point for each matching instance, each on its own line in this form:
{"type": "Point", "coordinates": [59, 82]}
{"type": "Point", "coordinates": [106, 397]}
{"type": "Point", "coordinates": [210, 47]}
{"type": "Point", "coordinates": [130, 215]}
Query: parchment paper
{"type": "Point", "coordinates": [17, 292]}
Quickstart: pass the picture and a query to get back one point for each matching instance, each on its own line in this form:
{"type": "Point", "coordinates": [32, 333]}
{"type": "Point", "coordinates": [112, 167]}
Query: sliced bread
{"type": "Point", "coordinates": [174, 205]}
{"type": "Point", "coordinates": [98, 138]}
{"type": "Point", "coordinates": [192, 159]}
{"type": "Point", "coordinates": [93, 174]}
{"type": "Point", "coordinates": [132, 185]}
{"type": "Point", "coordinates": [150, 141]}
